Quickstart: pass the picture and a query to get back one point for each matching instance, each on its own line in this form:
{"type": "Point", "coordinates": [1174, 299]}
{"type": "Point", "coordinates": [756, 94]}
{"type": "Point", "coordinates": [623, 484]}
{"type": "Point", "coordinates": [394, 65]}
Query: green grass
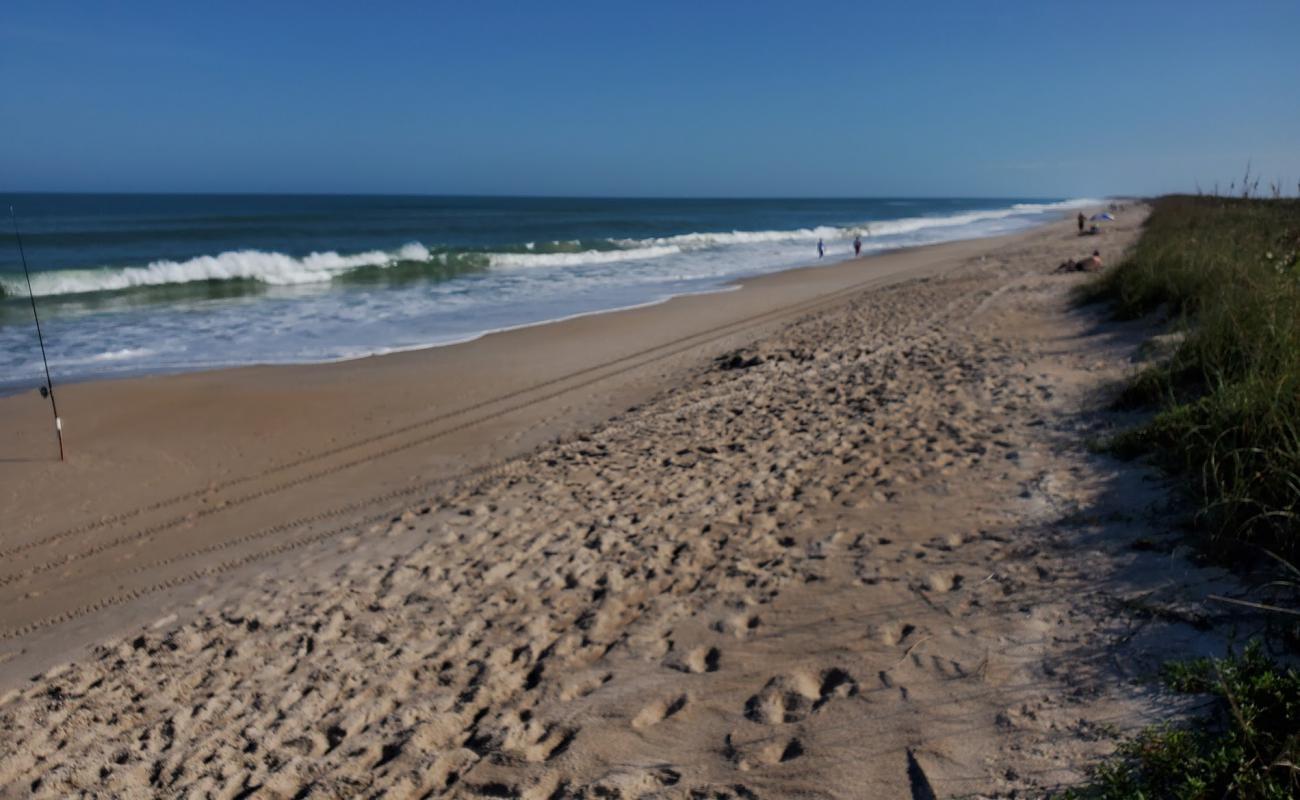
{"type": "Point", "coordinates": [1227, 271]}
{"type": "Point", "coordinates": [1250, 748]}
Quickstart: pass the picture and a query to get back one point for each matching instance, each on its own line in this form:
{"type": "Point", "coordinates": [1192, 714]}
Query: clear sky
{"type": "Point", "coordinates": [995, 98]}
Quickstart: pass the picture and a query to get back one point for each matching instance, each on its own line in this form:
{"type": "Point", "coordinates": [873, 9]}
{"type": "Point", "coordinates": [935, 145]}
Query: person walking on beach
{"type": "Point", "coordinates": [1082, 220]}
{"type": "Point", "coordinates": [821, 248]}
{"type": "Point", "coordinates": [857, 246]}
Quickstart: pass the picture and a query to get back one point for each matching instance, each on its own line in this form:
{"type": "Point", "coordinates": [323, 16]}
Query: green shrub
{"type": "Point", "coordinates": [1250, 748]}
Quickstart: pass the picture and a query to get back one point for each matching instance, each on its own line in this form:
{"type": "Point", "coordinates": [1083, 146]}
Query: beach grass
{"type": "Point", "coordinates": [1227, 273]}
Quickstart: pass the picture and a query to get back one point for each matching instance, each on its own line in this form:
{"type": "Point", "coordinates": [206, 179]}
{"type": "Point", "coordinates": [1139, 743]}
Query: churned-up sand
{"type": "Point", "coordinates": [852, 546]}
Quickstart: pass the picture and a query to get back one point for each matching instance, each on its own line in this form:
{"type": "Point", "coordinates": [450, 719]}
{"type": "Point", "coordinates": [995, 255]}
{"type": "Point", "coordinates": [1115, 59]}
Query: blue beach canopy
{"type": "Point", "coordinates": [1104, 215]}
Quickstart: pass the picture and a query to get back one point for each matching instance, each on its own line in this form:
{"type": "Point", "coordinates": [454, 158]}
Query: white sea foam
{"type": "Point", "coordinates": [1064, 205]}
{"type": "Point", "coordinates": [697, 241]}
{"type": "Point", "coordinates": [893, 227]}
{"type": "Point", "coordinates": [124, 354]}
{"type": "Point", "coordinates": [578, 259]}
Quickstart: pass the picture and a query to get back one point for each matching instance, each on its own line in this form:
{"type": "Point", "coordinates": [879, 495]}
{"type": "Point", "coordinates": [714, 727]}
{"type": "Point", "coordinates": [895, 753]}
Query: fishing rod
{"type": "Point", "coordinates": [48, 389]}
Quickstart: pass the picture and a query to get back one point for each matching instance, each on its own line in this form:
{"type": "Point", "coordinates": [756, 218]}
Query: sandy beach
{"type": "Point", "coordinates": [836, 533]}
{"type": "Point", "coordinates": [171, 475]}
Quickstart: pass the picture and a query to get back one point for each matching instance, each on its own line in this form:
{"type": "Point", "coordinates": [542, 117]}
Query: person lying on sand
{"type": "Point", "coordinates": [1090, 264]}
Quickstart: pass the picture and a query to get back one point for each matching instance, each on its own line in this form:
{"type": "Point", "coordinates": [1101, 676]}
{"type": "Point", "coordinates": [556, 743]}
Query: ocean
{"type": "Point", "coordinates": [137, 284]}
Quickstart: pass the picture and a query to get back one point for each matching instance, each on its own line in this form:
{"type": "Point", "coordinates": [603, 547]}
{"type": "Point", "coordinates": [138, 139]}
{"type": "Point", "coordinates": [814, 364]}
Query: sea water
{"type": "Point", "coordinates": [134, 284]}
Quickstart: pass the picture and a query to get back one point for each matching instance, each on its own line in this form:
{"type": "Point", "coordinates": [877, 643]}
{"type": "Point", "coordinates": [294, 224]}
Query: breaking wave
{"type": "Point", "coordinates": [630, 253]}
{"type": "Point", "coordinates": [276, 269]}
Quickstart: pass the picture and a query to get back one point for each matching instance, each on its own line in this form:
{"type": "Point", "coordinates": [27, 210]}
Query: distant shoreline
{"type": "Point", "coordinates": [139, 307]}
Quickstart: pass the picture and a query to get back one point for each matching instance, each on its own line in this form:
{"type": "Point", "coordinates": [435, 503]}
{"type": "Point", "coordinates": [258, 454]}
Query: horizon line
{"type": "Point", "coordinates": [471, 195]}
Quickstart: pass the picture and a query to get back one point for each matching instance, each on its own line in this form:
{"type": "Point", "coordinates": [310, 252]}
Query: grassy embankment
{"type": "Point", "coordinates": [1228, 272]}
{"type": "Point", "coordinates": [1227, 402]}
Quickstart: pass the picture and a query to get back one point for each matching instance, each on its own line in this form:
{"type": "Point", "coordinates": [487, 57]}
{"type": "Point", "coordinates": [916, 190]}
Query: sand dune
{"type": "Point", "coordinates": [865, 555]}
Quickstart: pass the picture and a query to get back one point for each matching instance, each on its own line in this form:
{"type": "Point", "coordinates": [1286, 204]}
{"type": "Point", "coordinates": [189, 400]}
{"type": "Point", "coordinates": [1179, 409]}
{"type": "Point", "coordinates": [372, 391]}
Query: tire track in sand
{"type": "Point", "coordinates": [706, 337]}
{"type": "Point", "coordinates": [621, 366]}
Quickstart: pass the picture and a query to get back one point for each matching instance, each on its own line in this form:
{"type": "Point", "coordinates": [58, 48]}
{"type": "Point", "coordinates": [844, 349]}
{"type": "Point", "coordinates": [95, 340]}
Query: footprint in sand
{"type": "Point", "coordinates": [584, 685]}
{"type": "Point", "coordinates": [887, 682]}
{"type": "Point", "coordinates": [948, 543]}
{"type": "Point", "coordinates": [659, 711]}
{"type": "Point", "coordinates": [635, 782]}
{"type": "Point", "coordinates": [791, 698]}
{"type": "Point", "coordinates": [738, 625]}
{"type": "Point", "coordinates": [763, 752]}
{"type": "Point", "coordinates": [553, 742]}
{"type": "Point", "coordinates": [892, 634]}
{"type": "Point", "coordinates": [943, 582]}
{"type": "Point", "coordinates": [697, 660]}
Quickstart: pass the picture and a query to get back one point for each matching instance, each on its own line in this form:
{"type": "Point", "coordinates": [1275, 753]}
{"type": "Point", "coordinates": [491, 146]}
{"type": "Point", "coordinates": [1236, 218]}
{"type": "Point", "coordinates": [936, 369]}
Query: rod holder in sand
{"type": "Point", "coordinates": [48, 389]}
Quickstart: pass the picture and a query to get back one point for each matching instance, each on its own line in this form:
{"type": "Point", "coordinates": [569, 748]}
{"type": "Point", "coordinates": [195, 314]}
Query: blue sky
{"type": "Point", "coordinates": [694, 98]}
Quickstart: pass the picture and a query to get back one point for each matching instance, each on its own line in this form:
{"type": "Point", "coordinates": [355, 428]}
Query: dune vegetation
{"type": "Point", "coordinates": [1226, 273]}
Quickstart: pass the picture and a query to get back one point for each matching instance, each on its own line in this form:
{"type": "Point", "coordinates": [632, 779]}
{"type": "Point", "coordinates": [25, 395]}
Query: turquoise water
{"type": "Point", "coordinates": [130, 284]}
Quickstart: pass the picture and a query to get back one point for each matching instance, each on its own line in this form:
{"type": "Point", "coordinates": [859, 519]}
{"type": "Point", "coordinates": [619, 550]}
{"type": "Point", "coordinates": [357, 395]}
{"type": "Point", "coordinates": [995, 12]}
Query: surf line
{"type": "Point", "coordinates": [47, 390]}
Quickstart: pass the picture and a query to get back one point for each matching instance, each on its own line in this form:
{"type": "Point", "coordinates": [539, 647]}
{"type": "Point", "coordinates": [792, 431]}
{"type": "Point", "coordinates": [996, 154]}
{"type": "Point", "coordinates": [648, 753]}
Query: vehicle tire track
{"type": "Point", "coordinates": [807, 309]}
{"type": "Point", "coordinates": [706, 337]}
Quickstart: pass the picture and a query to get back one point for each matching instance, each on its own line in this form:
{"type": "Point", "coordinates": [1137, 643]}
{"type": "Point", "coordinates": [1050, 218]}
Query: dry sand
{"type": "Point", "coordinates": [866, 554]}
